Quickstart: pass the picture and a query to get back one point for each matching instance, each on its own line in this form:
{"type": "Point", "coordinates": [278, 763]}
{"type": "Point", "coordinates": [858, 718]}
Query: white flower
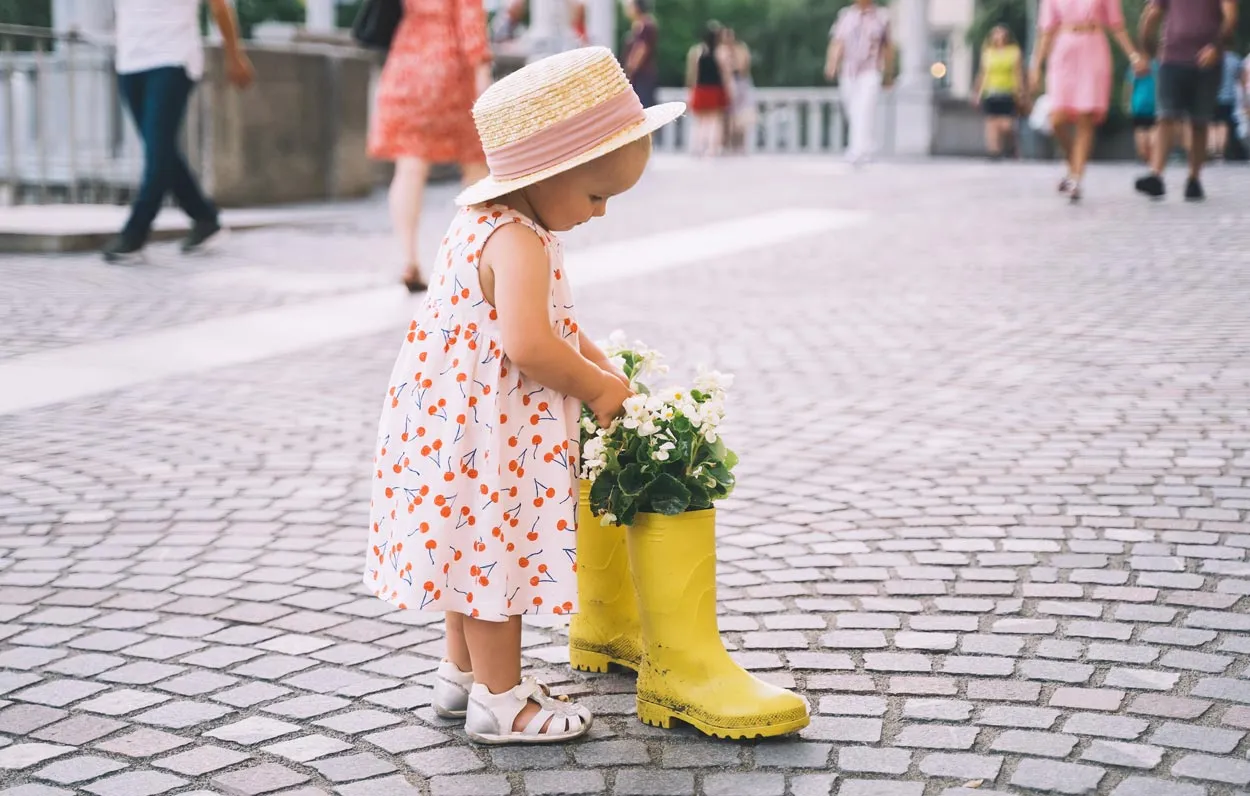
{"type": "Point", "coordinates": [660, 456]}
{"type": "Point", "coordinates": [617, 362]}
{"type": "Point", "coordinates": [608, 519]}
{"type": "Point", "coordinates": [647, 428]}
{"type": "Point", "coordinates": [617, 340]}
{"type": "Point", "coordinates": [713, 381]}
{"type": "Point", "coordinates": [667, 412]}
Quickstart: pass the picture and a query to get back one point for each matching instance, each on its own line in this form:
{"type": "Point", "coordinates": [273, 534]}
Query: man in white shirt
{"type": "Point", "coordinates": [159, 59]}
{"type": "Point", "coordinates": [861, 58]}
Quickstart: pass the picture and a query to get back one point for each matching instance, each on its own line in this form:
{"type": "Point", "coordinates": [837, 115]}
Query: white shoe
{"type": "Point", "coordinates": [490, 716]}
{"type": "Point", "coordinates": [451, 691]}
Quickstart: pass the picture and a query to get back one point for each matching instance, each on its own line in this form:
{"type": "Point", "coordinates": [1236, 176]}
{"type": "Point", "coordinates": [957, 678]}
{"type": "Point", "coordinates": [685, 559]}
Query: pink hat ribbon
{"type": "Point", "coordinates": [566, 139]}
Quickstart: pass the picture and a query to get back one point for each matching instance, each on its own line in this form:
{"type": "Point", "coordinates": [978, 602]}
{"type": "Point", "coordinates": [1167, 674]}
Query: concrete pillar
{"type": "Point", "coordinates": [86, 15]}
{"type": "Point", "coordinates": [319, 15]}
{"type": "Point", "coordinates": [913, 119]}
{"type": "Point", "coordinates": [601, 23]}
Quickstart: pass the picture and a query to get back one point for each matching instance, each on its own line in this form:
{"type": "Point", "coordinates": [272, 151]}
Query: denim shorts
{"type": "Point", "coordinates": [1188, 92]}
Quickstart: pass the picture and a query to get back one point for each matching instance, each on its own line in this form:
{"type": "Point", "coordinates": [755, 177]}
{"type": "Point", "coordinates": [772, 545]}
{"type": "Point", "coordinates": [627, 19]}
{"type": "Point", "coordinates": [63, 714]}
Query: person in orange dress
{"type": "Point", "coordinates": [438, 64]}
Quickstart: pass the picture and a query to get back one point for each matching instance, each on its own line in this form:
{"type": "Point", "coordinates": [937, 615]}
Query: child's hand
{"type": "Point", "coordinates": [607, 404]}
{"type": "Point", "coordinates": [616, 373]}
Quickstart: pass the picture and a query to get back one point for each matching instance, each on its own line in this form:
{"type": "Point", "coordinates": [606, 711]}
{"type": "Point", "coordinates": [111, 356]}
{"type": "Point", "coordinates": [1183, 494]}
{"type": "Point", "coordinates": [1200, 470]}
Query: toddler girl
{"type": "Point", "coordinates": [474, 491]}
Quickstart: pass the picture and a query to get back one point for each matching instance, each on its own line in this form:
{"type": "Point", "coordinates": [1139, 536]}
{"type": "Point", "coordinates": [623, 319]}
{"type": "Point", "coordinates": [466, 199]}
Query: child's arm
{"type": "Point", "coordinates": [516, 278]}
{"type": "Point", "coordinates": [595, 354]}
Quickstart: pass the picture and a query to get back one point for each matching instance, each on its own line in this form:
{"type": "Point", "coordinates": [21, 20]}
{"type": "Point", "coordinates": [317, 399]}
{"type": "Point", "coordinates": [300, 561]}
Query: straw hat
{"type": "Point", "coordinates": [555, 115]}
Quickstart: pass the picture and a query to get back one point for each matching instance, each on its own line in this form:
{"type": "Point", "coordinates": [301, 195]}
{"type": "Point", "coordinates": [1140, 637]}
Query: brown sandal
{"type": "Point", "coordinates": [413, 281]}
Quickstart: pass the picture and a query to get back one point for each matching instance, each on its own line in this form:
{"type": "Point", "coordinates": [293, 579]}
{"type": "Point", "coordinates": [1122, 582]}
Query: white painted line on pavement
{"type": "Point", "coordinates": [78, 371]}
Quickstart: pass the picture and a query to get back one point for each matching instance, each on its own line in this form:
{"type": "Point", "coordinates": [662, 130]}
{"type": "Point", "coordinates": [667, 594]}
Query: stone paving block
{"type": "Point", "coordinates": [1142, 786]}
{"type": "Point", "coordinates": [181, 714]}
{"type": "Point", "coordinates": [937, 736]}
{"type": "Point", "coordinates": [397, 785]}
{"type": "Point", "coordinates": [35, 790]}
{"type": "Point", "coordinates": [812, 784]}
{"type": "Point", "coordinates": [348, 768]}
{"type": "Point", "coordinates": [611, 753]}
{"type": "Point", "coordinates": [24, 719]}
{"type": "Point", "coordinates": [305, 707]}
{"type": "Point", "coordinates": [1054, 777]}
{"type": "Point", "coordinates": [1057, 672]}
{"type": "Point", "coordinates": [253, 730]}
{"type": "Point", "coordinates": [873, 760]}
{"type": "Point", "coordinates": [1013, 716]}
{"type": "Point", "coordinates": [249, 694]}
{"type": "Point", "coordinates": [1223, 688]}
{"type": "Point", "coordinates": [979, 665]}
{"type": "Point", "coordinates": [24, 755]}
{"type": "Point", "coordinates": [1237, 716]}
{"type": "Point", "coordinates": [1028, 742]}
{"type": "Point", "coordinates": [556, 783]}
{"type": "Point", "coordinates": [645, 782]}
{"type": "Point", "coordinates": [1170, 707]}
{"type": "Point", "coordinates": [852, 705]}
{"type": "Point", "coordinates": [961, 766]}
{"type": "Point", "coordinates": [846, 730]}
{"type": "Point", "coordinates": [308, 747]}
{"type": "Point", "coordinates": [513, 758]}
{"type": "Point", "coordinates": [1120, 727]}
{"type": "Point", "coordinates": [78, 730]}
{"type": "Point", "coordinates": [1087, 698]}
{"type": "Point", "coordinates": [202, 760]}
{"type": "Point", "coordinates": [121, 701]}
{"type": "Point", "coordinates": [1141, 679]}
{"type": "Point", "coordinates": [135, 783]}
{"type": "Point", "coordinates": [142, 673]}
{"type": "Point", "coordinates": [263, 778]}
{"type": "Point", "coordinates": [1213, 769]}
{"type": "Point", "coordinates": [1125, 755]}
{"type": "Point", "coordinates": [468, 785]}
{"type": "Point", "coordinates": [1004, 691]}
{"type": "Point", "coordinates": [68, 770]}
{"type": "Point", "coordinates": [358, 721]}
{"type": "Point", "coordinates": [396, 741]}
{"type": "Point", "coordinates": [448, 760]}
{"type": "Point", "coordinates": [923, 686]}
{"type": "Point", "coordinates": [60, 693]}
{"type": "Point", "coordinates": [142, 742]}
{"type": "Point", "coordinates": [937, 709]}
{"type": "Point", "coordinates": [751, 784]}
{"type": "Point", "coordinates": [880, 787]}
{"type": "Point", "coordinates": [1195, 661]}
{"type": "Point", "coordinates": [1197, 738]}
{"type": "Point", "coordinates": [791, 755]}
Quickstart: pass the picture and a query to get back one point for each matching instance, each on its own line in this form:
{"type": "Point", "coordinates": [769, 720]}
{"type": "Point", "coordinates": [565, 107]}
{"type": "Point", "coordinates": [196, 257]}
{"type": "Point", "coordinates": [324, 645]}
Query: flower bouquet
{"type": "Point", "coordinates": [664, 455]}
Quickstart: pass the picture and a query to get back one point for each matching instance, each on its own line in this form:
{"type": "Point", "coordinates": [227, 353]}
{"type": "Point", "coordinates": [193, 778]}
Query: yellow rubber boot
{"type": "Point", "coordinates": [605, 630]}
{"type": "Point", "coordinates": [686, 673]}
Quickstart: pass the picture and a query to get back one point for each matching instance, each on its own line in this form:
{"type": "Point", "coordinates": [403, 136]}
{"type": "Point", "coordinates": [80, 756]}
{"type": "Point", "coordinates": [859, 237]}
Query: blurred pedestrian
{"type": "Point", "coordinates": [1140, 91]}
{"type": "Point", "coordinates": [1194, 34]}
{"type": "Point", "coordinates": [577, 22]}
{"type": "Point", "coordinates": [861, 58]}
{"type": "Point", "coordinates": [159, 59]}
{"type": "Point", "coordinates": [1074, 49]}
{"type": "Point", "coordinates": [1225, 105]}
{"type": "Point", "coordinates": [999, 90]}
{"type": "Point", "coordinates": [742, 114]}
{"type": "Point", "coordinates": [640, 54]}
{"type": "Point", "coordinates": [709, 77]}
{"type": "Point", "coordinates": [438, 64]}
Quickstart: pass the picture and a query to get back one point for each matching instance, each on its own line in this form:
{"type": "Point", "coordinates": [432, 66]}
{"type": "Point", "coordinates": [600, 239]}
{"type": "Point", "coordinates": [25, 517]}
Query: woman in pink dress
{"type": "Point", "coordinates": [1074, 48]}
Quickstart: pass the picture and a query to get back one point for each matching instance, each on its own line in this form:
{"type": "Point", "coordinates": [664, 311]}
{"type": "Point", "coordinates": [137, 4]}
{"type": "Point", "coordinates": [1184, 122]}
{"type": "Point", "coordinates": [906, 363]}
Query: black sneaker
{"type": "Point", "coordinates": [121, 250]}
{"type": "Point", "coordinates": [1151, 185]}
{"type": "Point", "coordinates": [201, 232]}
{"type": "Point", "coordinates": [1193, 190]}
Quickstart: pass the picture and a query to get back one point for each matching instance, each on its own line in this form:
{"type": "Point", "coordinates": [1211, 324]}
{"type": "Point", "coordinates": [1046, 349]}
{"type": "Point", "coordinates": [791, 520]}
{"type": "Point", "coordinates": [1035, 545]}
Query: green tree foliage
{"type": "Point", "coordinates": [37, 13]}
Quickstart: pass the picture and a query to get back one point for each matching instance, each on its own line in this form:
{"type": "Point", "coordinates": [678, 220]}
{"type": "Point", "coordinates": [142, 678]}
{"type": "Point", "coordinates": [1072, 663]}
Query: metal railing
{"type": "Point", "coordinates": [65, 135]}
{"type": "Point", "coordinates": [788, 120]}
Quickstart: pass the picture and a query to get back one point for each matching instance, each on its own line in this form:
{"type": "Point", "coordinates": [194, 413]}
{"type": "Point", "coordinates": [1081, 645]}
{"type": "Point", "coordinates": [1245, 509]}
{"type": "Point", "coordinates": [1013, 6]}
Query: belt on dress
{"type": "Point", "coordinates": [1085, 27]}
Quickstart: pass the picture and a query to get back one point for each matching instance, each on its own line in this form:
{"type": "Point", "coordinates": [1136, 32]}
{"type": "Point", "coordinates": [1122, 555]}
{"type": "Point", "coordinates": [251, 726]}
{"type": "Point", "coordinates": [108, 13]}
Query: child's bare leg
{"type": "Point", "coordinates": [495, 648]}
{"type": "Point", "coordinates": [457, 649]}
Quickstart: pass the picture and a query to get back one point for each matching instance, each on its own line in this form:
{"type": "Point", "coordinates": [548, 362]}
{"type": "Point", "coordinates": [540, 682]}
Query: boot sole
{"type": "Point", "coordinates": [587, 661]}
{"type": "Point", "coordinates": [660, 716]}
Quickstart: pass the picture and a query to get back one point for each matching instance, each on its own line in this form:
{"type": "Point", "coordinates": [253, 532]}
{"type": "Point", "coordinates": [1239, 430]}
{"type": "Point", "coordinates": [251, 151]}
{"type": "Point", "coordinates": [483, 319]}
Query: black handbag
{"type": "Point", "coordinates": [376, 23]}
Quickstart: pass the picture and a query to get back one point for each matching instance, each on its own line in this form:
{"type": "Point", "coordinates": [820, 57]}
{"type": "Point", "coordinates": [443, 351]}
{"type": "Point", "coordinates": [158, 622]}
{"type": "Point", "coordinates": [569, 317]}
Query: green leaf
{"type": "Point", "coordinates": [632, 480]}
{"type": "Point", "coordinates": [666, 495]}
{"type": "Point", "coordinates": [600, 492]}
{"type": "Point", "coordinates": [699, 497]}
{"type": "Point", "coordinates": [628, 513]}
{"type": "Point", "coordinates": [730, 459]}
{"type": "Point", "coordinates": [721, 473]}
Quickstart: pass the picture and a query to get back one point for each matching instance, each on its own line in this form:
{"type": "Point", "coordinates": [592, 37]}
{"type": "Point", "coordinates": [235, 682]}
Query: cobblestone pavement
{"type": "Point", "coordinates": [992, 518]}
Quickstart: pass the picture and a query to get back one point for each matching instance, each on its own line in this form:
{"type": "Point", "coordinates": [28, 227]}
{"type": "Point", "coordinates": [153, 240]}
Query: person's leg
{"type": "Point", "coordinates": [1202, 114]}
{"type": "Point", "coordinates": [869, 94]}
{"type": "Point", "coordinates": [1198, 133]}
{"type": "Point", "coordinates": [992, 144]}
{"type": "Point", "coordinates": [847, 94]}
{"type": "Point", "coordinates": [716, 134]}
{"type": "Point", "coordinates": [406, 192]}
{"type": "Point", "coordinates": [1063, 137]}
{"type": "Point", "coordinates": [457, 647]}
{"type": "Point", "coordinates": [1217, 140]}
{"type": "Point", "coordinates": [473, 171]}
{"type": "Point", "coordinates": [1082, 146]}
{"type": "Point", "coordinates": [1141, 140]}
{"type": "Point", "coordinates": [174, 87]}
{"type": "Point", "coordinates": [495, 652]}
{"type": "Point", "coordinates": [1165, 132]}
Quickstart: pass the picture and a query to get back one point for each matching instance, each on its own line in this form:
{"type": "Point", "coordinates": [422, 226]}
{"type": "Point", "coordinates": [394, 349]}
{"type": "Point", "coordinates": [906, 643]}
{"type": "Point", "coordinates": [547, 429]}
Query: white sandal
{"type": "Point", "coordinates": [451, 691]}
{"type": "Point", "coordinates": [490, 716]}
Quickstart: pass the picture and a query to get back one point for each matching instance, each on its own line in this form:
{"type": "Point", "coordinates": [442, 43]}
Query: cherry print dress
{"type": "Point", "coordinates": [474, 498]}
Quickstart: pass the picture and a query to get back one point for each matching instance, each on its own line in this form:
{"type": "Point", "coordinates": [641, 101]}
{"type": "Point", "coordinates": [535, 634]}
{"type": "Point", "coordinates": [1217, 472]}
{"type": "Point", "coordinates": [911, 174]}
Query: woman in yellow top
{"type": "Point", "coordinates": [1000, 86]}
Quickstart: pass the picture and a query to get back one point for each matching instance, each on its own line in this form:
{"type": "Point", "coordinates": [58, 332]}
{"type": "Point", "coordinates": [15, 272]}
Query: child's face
{"type": "Point", "coordinates": [576, 196]}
